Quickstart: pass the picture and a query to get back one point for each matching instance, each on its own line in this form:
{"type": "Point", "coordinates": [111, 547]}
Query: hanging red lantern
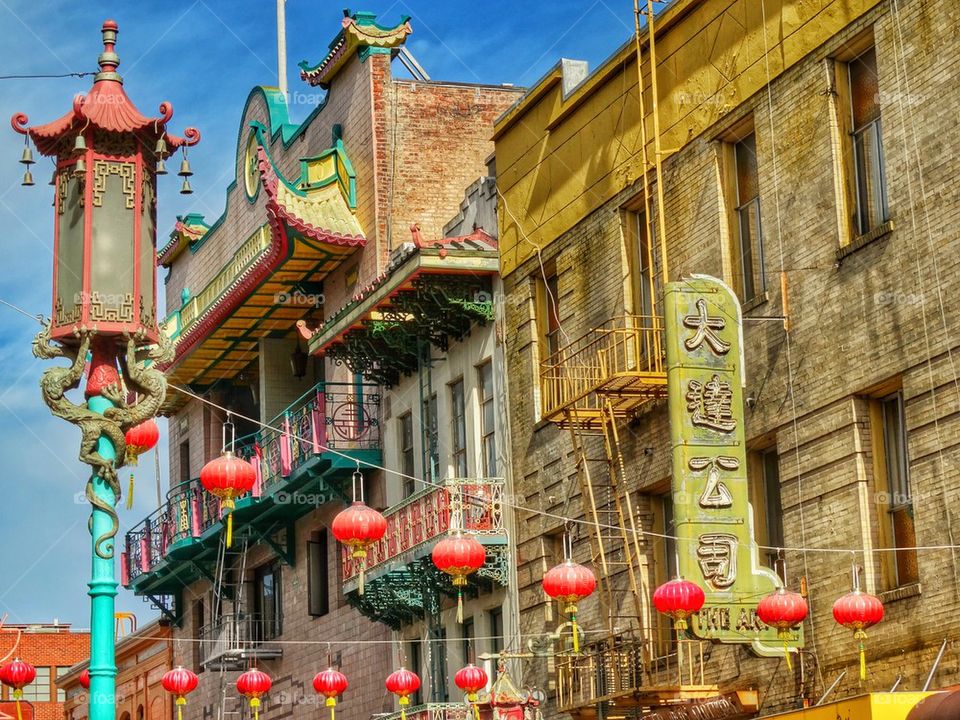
{"type": "Point", "coordinates": [471, 679]}
{"type": "Point", "coordinates": [17, 674]}
{"type": "Point", "coordinates": [330, 683]}
{"type": "Point", "coordinates": [679, 599]}
{"type": "Point", "coordinates": [85, 679]}
{"type": "Point", "coordinates": [858, 611]}
{"type": "Point", "coordinates": [180, 682]}
{"type": "Point", "coordinates": [358, 527]}
{"type": "Point", "coordinates": [403, 683]}
{"type": "Point", "coordinates": [254, 684]}
{"type": "Point", "coordinates": [570, 582]}
{"type": "Point", "coordinates": [228, 477]}
{"type": "Point", "coordinates": [459, 556]}
{"type": "Point", "coordinates": [784, 610]}
{"type": "Point", "coordinates": [139, 439]}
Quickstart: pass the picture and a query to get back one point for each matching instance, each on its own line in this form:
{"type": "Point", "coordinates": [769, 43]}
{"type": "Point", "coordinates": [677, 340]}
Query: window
{"type": "Point", "coordinates": [440, 693]}
{"type": "Point", "coordinates": [665, 563]}
{"type": "Point", "coordinates": [416, 664]}
{"type": "Point", "coordinates": [185, 461]}
{"type": "Point", "coordinates": [317, 575]}
{"type": "Point", "coordinates": [748, 237]}
{"type": "Point", "coordinates": [407, 465]}
{"type": "Point", "coordinates": [458, 429]}
{"type": "Point", "coordinates": [548, 310]}
{"type": "Point", "coordinates": [268, 601]}
{"type": "Point", "coordinates": [495, 622]}
{"type": "Point", "coordinates": [430, 432]}
{"type": "Point", "coordinates": [39, 689]}
{"type": "Point", "coordinates": [468, 633]}
{"type": "Point", "coordinates": [644, 281]}
{"type": "Point", "coordinates": [198, 631]}
{"type": "Point", "coordinates": [763, 467]}
{"type": "Point", "coordinates": [869, 184]}
{"type": "Point", "coordinates": [488, 434]}
{"type": "Point", "coordinates": [895, 501]}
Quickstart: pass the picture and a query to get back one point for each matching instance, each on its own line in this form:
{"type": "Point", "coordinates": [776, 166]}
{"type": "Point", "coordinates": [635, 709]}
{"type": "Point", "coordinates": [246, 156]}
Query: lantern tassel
{"type": "Point", "coordinates": [362, 573]}
{"type": "Point", "coordinates": [130, 492]}
{"type": "Point", "coordinates": [460, 605]}
{"type": "Point", "coordinates": [476, 712]}
{"type": "Point", "coordinates": [255, 706]}
{"type": "Point", "coordinates": [576, 633]}
{"type": "Point", "coordinates": [860, 635]}
{"type": "Point", "coordinates": [181, 701]}
{"type": "Point", "coordinates": [404, 701]}
{"type": "Point", "coordinates": [786, 654]}
{"type": "Point", "coordinates": [229, 529]}
{"type": "Point", "coordinates": [17, 695]}
{"type": "Point", "coordinates": [332, 703]}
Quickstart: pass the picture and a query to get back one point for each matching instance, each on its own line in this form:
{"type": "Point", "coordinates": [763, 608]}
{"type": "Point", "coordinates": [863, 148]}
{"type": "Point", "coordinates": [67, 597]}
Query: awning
{"type": "Point", "coordinates": [875, 706]}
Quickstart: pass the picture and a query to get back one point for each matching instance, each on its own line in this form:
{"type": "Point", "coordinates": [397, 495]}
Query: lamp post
{"type": "Point", "coordinates": [107, 156]}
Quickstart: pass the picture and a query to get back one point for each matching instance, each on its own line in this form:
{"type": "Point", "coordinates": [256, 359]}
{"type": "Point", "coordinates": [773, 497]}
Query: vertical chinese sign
{"type": "Point", "coordinates": [712, 514]}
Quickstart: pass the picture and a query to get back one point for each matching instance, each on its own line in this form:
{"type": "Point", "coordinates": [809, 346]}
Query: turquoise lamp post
{"type": "Point", "coordinates": [106, 156]}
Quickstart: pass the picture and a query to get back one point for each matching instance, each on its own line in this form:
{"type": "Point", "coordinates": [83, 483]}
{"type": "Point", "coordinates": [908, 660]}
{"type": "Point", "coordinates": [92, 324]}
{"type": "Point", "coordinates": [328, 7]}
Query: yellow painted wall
{"type": "Point", "coordinates": [558, 160]}
{"type": "Point", "coordinates": [876, 706]}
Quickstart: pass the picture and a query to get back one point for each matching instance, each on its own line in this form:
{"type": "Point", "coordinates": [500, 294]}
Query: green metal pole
{"type": "Point", "coordinates": [103, 591]}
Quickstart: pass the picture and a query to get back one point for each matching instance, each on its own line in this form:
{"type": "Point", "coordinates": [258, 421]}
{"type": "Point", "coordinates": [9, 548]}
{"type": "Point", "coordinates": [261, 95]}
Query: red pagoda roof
{"type": "Point", "coordinates": [106, 107]}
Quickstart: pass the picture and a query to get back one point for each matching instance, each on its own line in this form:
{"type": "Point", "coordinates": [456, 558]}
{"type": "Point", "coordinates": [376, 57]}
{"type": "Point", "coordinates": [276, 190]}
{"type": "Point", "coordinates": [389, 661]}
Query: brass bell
{"type": "Point", "coordinates": [79, 145]}
{"type": "Point", "coordinates": [53, 178]}
{"type": "Point", "coordinates": [80, 169]}
{"type": "Point", "coordinates": [27, 157]}
{"type": "Point", "coordinates": [185, 170]}
{"type": "Point", "coordinates": [161, 167]}
{"type": "Point", "coordinates": [27, 179]}
{"type": "Point", "coordinates": [161, 149]}
{"type": "Point", "coordinates": [185, 189]}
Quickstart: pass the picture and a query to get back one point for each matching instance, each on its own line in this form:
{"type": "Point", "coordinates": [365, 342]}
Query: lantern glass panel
{"type": "Point", "coordinates": [112, 252]}
{"type": "Point", "coordinates": [69, 298]}
{"type": "Point", "coordinates": [148, 250]}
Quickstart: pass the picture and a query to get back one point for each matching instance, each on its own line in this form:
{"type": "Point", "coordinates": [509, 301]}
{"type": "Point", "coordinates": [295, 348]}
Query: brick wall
{"type": "Point", "coordinates": [55, 648]}
{"type": "Point", "coordinates": [876, 316]}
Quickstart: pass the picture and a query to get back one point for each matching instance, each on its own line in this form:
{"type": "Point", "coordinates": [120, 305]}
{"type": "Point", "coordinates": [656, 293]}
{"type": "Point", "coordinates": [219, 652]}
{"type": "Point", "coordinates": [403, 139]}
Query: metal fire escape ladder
{"type": "Point", "coordinates": [227, 646]}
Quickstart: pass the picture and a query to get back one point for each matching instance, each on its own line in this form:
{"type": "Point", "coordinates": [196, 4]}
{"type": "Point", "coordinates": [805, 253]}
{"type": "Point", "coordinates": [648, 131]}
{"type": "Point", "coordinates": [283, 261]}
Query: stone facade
{"type": "Point", "coordinates": [868, 316]}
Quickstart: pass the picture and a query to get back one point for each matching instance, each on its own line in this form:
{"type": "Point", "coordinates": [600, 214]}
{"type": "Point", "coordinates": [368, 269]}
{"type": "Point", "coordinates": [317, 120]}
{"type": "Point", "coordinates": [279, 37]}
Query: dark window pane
{"type": "Point", "coordinates": [747, 185]}
{"type": "Point", "coordinates": [319, 592]}
{"type": "Point", "coordinates": [864, 89]}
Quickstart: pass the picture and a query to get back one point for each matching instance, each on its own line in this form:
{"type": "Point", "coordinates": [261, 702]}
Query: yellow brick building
{"type": "Point", "coordinates": [808, 161]}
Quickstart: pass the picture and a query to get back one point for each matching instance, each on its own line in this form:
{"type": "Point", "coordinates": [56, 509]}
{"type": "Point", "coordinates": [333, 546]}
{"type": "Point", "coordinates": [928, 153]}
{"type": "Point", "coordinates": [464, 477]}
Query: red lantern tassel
{"type": "Point", "coordinates": [404, 701]}
{"type": "Point", "coordinates": [130, 492]}
{"type": "Point", "coordinates": [229, 529]}
{"type": "Point", "coordinates": [576, 633]}
{"type": "Point", "coordinates": [861, 636]}
{"type": "Point", "coordinates": [460, 605]}
{"type": "Point", "coordinates": [472, 697]}
{"type": "Point", "coordinates": [181, 701]}
{"type": "Point", "coordinates": [17, 694]}
{"type": "Point", "coordinates": [786, 653]}
{"type": "Point", "coordinates": [255, 706]}
{"type": "Point", "coordinates": [332, 703]}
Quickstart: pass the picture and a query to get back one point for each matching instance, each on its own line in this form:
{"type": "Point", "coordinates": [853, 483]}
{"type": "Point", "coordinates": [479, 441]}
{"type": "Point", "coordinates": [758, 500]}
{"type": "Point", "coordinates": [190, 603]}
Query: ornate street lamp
{"type": "Point", "coordinates": [104, 303]}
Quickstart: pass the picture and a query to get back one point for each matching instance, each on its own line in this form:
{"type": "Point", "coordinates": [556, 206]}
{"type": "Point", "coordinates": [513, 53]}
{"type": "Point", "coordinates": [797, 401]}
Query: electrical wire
{"type": "Point", "coordinates": [45, 77]}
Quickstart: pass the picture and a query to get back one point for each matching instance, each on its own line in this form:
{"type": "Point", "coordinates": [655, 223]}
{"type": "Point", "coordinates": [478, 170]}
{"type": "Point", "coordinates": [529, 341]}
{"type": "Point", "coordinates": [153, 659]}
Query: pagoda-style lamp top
{"type": "Point", "coordinates": [106, 155]}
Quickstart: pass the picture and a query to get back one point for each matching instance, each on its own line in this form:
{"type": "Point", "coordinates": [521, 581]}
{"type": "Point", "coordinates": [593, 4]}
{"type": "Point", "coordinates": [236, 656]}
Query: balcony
{"type": "Point", "coordinates": [613, 368]}
{"type": "Point", "coordinates": [626, 671]}
{"type": "Point", "coordinates": [235, 639]}
{"type": "Point", "coordinates": [400, 576]}
{"type": "Point", "coordinates": [312, 453]}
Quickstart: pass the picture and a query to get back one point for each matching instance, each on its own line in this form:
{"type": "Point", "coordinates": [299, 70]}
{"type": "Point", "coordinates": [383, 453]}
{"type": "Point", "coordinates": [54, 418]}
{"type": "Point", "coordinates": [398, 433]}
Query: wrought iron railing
{"type": "Point", "coordinates": [239, 635]}
{"type": "Point", "coordinates": [626, 664]}
{"type": "Point", "coordinates": [431, 711]}
{"type": "Point", "coordinates": [328, 417]}
{"type": "Point", "coordinates": [623, 348]}
{"type": "Point", "coordinates": [426, 515]}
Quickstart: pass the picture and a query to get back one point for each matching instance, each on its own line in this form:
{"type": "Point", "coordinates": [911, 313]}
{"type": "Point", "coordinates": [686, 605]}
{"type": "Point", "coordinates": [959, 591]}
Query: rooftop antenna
{"type": "Point", "coordinates": [282, 47]}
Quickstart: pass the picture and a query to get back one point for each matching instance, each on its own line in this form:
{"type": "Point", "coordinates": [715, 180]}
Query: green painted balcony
{"type": "Point", "coordinates": [311, 450]}
{"type": "Point", "coordinates": [401, 579]}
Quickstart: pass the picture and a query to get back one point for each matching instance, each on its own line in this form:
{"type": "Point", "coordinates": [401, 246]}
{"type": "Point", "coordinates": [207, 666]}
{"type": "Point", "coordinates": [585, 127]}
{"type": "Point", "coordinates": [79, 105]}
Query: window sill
{"type": "Point", "coordinates": [901, 593]}
{"type": "Point", "coordinates": [863, 240]}
{"type": "Point", "coordinates": [755, 302]}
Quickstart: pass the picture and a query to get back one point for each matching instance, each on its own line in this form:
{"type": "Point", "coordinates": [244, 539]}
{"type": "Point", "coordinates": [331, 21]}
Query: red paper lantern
{"type": "Point", "coordinates": [459, 556]}
{"type": "Point", "coordinates": [17, 674]}
{"type": "Point", "coordinates": [140, 439]}
{"type": "Point", "coordinates": [228, 477]}
{"type": "Point", "coordinates": [85, 679]}
{"type": "Point", "coordinates": [254, 684]}
{"type": "Point", "coordinates": [570, 582]}
{"type": "Point", "coordinates": [403, 683]}
{"type": "Point", "coordinates": [358, 527]}
{"type": "Point", "coordinates": [180, 682]}
{"type": "Point", "coordinates": [678, 599]}
{"type": "Point", "coordinates": [471, 679]}
{"type": "Point", "coordinates": [785, 611]}
{"type": "Point", "coordinates": [858, 611]}
{"type": "Point", "coordinates": [330, 683]}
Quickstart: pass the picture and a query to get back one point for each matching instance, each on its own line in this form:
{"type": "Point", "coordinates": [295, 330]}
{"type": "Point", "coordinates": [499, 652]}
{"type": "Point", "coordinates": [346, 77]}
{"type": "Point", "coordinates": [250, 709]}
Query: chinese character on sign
{"type": "Point", "coordinates": [711, 404]}
{"type": "Point", "coordinates": [715, 494]}
{"type": "Point", "coordinates": [706, 328]}
{"type": "Point", "coordinates": [717, 555]}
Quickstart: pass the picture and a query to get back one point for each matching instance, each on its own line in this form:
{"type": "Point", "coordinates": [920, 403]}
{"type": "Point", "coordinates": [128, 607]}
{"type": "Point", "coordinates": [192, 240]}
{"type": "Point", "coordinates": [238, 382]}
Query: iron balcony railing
{"type": "Point", "coordinates": [628, 664]}
{"type": "Point", "coordinates": [431, 711]}
{"type": "Point", "coordinates": [236, 637]}
{"type": "Point", "coordinates": [624, 357]}
{"type": "Point", "coordinates": [426, 515]}
{"type": "Point", "coordinates": [328, 417]}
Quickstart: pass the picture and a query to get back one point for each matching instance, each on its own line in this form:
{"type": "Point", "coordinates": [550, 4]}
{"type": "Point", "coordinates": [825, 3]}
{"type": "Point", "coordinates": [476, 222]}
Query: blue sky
{"type": "Point", "coordinates": [203, 56]}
